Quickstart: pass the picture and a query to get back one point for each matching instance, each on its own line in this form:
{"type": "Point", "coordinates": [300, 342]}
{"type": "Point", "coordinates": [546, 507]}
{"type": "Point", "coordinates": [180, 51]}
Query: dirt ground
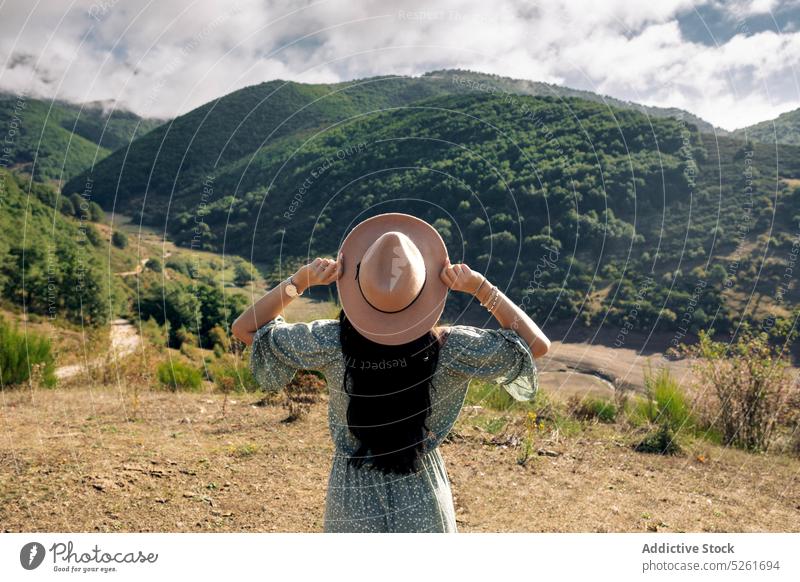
{"type": "Point", "coordinates": [85, 460]}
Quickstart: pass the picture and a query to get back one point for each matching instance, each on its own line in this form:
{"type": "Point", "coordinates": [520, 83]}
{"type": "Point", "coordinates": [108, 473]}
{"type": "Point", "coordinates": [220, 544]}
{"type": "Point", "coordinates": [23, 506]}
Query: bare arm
{"type": "Point", "coordinates": [509, 315]}
{"type": "Point", "coordinates": [272, 304]}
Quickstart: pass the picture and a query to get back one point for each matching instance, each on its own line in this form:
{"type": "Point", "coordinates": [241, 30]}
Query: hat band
{"type": "Point", "coordinates": [358, 269]}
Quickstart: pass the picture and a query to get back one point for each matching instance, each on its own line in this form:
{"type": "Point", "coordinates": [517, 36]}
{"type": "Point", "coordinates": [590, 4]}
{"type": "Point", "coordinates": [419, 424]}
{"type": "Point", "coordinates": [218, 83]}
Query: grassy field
{"type": "Point", "coordinates": [126, 455]}
{"type": "Point", "coordinates": [98, 460]}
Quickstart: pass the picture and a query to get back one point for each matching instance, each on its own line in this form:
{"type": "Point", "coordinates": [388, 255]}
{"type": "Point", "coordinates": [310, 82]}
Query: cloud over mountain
{"type": "Point", "coordinates": [733, 63]}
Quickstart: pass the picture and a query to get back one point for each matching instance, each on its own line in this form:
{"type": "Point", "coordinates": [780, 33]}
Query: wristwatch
{"type": "Point", "coordinates": [291, 288]}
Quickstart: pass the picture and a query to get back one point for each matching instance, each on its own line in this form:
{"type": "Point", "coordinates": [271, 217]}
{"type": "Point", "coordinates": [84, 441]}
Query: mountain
{"type": "Point", "coordinates": [583, 211]}
{"type": "Point", "coordinates": [57, 140]}
{"type": "Point", "coordinates": [495, 83]}
{"type": "Point", "coordinates": [785, 129]}
{"type": "Point", "coordinates": [184, 152]}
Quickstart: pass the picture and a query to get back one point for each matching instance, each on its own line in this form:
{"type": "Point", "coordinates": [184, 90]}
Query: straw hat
{"type": "Point", "coordinates": [390, 289]}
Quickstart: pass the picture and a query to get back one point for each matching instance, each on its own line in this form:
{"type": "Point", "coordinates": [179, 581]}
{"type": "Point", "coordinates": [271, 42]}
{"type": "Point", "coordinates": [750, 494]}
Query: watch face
{"type": "Point", "coordinates": [291, 290]}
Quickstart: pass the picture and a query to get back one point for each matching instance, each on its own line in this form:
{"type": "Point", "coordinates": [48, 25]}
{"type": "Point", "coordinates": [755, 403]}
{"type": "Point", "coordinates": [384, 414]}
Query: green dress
{"type": "Point", "coordinates": [364, 499]}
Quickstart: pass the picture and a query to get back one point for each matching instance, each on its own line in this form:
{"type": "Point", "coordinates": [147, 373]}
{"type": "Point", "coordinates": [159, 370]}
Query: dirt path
{"type": "Point", "coordinates": [136, 271]}
{"type": "Point", "coordinates": [124, 339]}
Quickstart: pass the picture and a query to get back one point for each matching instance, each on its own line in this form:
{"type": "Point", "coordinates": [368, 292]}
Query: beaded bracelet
{"type": "Point", "coordinates": [483, 303]}
{"type": "Point", "coordinates": [494, 303]}
{"type": "Point", "coordinates": [492, 295]}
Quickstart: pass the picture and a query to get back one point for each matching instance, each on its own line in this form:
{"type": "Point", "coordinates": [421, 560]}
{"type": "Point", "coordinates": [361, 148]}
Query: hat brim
{"type": "Point", "coordinates": [419, 317]}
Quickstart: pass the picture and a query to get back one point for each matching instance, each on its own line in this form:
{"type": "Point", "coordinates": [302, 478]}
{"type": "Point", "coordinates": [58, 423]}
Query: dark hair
{"type": "Point", "coordinates": [390, 397]}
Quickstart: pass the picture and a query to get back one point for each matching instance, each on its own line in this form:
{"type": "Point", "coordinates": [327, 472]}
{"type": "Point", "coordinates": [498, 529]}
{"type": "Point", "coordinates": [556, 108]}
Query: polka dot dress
{"type": "Point", "coordinates": [364, 499]}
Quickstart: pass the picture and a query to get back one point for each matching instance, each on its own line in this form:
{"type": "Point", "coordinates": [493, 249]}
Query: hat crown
{"type": "Point", "coordinates": [392, 272]}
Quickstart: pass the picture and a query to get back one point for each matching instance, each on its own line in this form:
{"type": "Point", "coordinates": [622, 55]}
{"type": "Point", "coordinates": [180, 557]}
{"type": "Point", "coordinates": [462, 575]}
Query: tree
{"type": "Point", "coordinates": [119, 239]}
{"type": "Point", "coordinates": [172, 304]}
{"type": "Point", "coordinates": [154, 265]}
{"type": "Point", "coordinates": [96, 212]}
{"type": "Point", "coordinates": [242, 274]}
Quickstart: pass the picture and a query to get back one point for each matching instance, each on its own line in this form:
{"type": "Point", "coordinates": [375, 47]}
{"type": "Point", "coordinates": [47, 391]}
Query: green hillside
{"type": "Point", "coordinates": [785, 129]}
{"type": "Point", "coordinates": [56, 140]}
{"type": "Point", "coordinates": [182, 154]}
{"type": "Point", "coordinates": [50, 264]}
{"type": "Point", "coordinates": [483, 82]}
{"type": "Point", "coordinates": [581, 210]}
{"type": "Point", "coordinates": [76, 271]}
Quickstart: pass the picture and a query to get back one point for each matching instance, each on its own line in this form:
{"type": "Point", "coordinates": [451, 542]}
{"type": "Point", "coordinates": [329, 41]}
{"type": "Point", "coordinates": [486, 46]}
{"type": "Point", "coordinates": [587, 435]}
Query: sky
{"type": "Point", "coordinates": [733, 63]}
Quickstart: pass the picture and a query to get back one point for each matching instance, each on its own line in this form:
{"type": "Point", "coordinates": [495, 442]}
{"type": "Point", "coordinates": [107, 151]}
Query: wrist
{"type": "Point", "coordinates": [296, 281]}
{"type": "Point", "coordinates": [483, 291]}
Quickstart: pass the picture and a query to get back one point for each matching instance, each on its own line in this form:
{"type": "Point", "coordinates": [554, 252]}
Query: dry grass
{"type": "Point", "coordinates": [78, 460]}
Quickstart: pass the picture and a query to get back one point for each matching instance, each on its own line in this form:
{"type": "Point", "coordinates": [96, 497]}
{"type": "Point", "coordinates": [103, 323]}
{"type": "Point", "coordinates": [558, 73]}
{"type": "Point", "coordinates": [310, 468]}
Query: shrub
{"type": "Point", "coordinates": [489, 396]}
{"type": "Point", "coordinates": [92, 235]}
{"type": "Point", "coordinates": [242, 274]}
{"type": "Point", "coordinates": [218, 337]}
{"type": "Point", "coordinates": [660, 441]}
{"type": "Point", "coordinates": [181, 265]}
{"type": "Point", "coordinates": [749, 384]}
{"type": "Point", "coordinates": [119, 239]}
{"type": "Point", "coordinates": [154, 265]}
{"type": "Point", "coordinates": [666, 401]}
{"type": "Point", "coordinates": [21, 353]}
{"type": "Point", "coordinates": [589, 408]}
{"type": "Point", "coordinates": [96, 212]}
{"type": "Point", "coordinates": [156, 335]}
{"type": "Point", "coordinates": [176, 375]}
{"type": "Point", "coordinates": [231, 376]}
{"type": "Point", "coordinates": [304, 390]}
{"type": "Point", "coordinates": [184, 337]}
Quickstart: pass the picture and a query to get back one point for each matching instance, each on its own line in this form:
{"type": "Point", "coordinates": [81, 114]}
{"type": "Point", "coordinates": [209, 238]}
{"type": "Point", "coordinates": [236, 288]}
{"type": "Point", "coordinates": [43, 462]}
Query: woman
{"type": "Point", "coordinates": [397, 381]}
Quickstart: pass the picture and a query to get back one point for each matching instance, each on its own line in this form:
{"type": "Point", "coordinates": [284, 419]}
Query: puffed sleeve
{"type": "Point", "coordinates": [500, 356]}
{"type": "Point", "coordinates": [280, 349]}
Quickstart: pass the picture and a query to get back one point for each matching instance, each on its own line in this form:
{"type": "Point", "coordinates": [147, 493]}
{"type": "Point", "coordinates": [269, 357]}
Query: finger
{"type": "Point", "coordinates": [330, 269]}
{"type": "Point", "coordinates": [447, 276]}
{"type": "Point", "coordinates": [340, 266]}
{"type": "Point", "coordinates": [443, 275]}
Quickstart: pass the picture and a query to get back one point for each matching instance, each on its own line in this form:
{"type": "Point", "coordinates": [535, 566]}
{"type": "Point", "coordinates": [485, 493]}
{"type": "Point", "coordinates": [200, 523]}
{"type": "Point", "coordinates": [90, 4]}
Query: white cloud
{"type": "Point", "coordinates": [163, 58]}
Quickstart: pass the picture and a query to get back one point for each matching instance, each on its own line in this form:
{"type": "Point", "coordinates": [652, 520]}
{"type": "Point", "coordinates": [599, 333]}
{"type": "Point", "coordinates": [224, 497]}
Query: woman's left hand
{"type": "Point", "coordinates": [318, 272]}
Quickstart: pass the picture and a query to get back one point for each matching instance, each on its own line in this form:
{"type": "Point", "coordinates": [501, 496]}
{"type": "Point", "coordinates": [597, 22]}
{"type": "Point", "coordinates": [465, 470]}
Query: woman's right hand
{"type": "Point", "coordinates": [460, 277]}
{"type": "Point", "coordinates": [318, 272]}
